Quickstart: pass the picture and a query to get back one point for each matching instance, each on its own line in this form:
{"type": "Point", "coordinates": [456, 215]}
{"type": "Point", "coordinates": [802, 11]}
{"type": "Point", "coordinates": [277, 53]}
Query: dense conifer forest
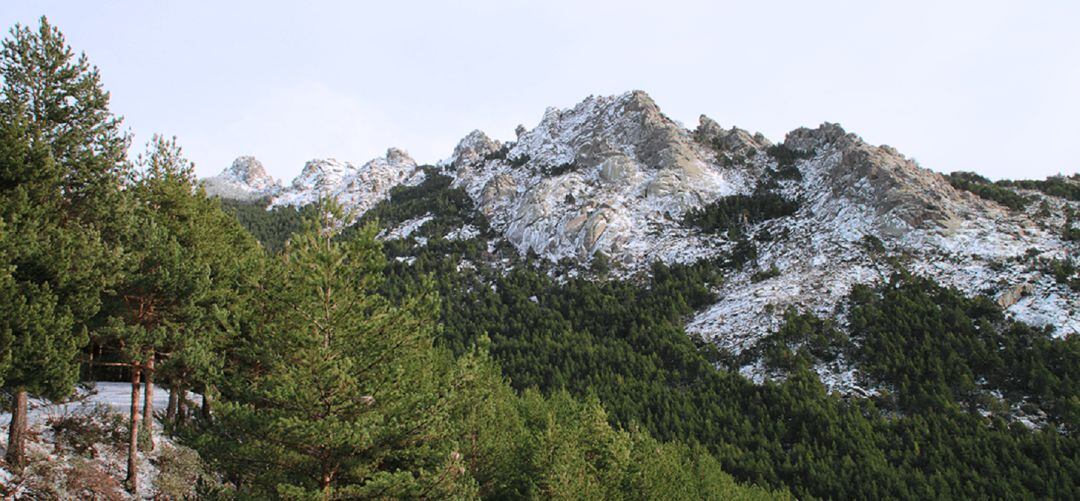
{"type": "Point", "coordinates": [332, 364]}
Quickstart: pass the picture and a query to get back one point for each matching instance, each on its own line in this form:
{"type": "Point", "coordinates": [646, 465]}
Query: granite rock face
{"type": "Point", "coordinates": [609, 175]}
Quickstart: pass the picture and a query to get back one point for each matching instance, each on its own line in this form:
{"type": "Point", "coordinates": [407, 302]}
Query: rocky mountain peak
{"type": "Point", "coordinates": [399, 156]}
{"type": "Point", "coordinates": [245, 179]}
{"type": "Point", "coordinates": [356, 188]}
{"type": "Point", "coordinates": [903, 194]}
{"type": "Point", "coordinates": [599, 127]}
{"type": "Point", "coordinates": [733, 140]}
{"type": "Point", "coordinates": [250, 170]}
{"type": "Point", "coordinates": [322, 172]}
{"type": "Point", "coordinates": [474, 148]}
{"type": "Point", "coordinates": [600, 176]}
{"type": "Point", "coordinates": [806, 140]}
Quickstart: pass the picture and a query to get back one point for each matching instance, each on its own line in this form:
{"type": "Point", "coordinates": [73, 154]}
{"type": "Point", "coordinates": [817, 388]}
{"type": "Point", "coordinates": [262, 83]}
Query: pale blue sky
{"type": "Point", "coordinates": [988, 86]}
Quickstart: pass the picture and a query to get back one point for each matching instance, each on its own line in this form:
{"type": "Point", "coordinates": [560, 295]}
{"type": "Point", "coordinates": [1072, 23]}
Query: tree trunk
{"type": "Point", "coordinates": [324, 483]}
{"type": "Point", "coordinates": [16, 451]}
{"type": "Point", "coordinates": [181, 405]}
{"type": "Point", "coordinates": [206, 414]}
{"type": "Point", "coordinates": [170, 410]}
{"type": "Point", "coordinates": [132, 480]}
{"type": "Point", "coordinates": [148, 405]}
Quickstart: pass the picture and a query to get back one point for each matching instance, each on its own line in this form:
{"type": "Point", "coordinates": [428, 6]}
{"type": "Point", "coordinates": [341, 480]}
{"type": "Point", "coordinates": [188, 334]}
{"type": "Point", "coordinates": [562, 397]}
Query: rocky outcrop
{"type": "Point", "coordinates": [595, 177]}
{"type": "Point", "coordinates": [245, 179]}
{"type": "Point", "coordinates": [473, 148]}
{"type": "Point", "coordinates": [356, 188]}
{"type": "Point", "coordinates": [902, 194]}
{"type": "Point", "coordinates": [1012, 295]}
{"type": "Point", "coordinates": [733, 141]}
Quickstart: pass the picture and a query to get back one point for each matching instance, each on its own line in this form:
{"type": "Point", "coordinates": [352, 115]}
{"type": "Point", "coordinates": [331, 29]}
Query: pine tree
{"type": "Point", "coordinates": [62, 96]}
{"type": "Point", "coordinates": [495, 442]}
{"type": "Point", "coordinates": [181, 269]}
{"type": "Point", "coordinates": [214, 244]}
{"type": "Point", "coordinates": [345, 395]}
{"type": "Point", "coordinates": [62, 159]}
{"type": "Point", "coordinates": [50, 280]}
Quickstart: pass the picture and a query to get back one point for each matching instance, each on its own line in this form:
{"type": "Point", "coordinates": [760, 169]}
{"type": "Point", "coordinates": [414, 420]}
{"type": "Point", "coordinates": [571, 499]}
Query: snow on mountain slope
{"type": "Point", "coordinates": [854, 193]}
{"type": "Point", "coordinates": [614, 175]}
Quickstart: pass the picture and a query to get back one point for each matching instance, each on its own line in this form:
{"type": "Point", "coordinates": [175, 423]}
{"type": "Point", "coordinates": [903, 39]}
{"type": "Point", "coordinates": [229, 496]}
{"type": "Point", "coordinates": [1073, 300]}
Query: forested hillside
{"type": "Point", "coordinates": [953, 367]}
{"type": "Point", "coordinates": [400, 356]}
{"type": "Point", "coordinates": [954, 372]}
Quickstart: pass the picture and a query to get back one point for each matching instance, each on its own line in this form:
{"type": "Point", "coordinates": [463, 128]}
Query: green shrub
{"type": "Point", "coordinates": [984, 188]}
{"type": "Point", "coordinates": [732, 214]}
{"type": "Point", "coordinates": [762, 275]}
{"type": "Point", "coordinates": [786, 157]}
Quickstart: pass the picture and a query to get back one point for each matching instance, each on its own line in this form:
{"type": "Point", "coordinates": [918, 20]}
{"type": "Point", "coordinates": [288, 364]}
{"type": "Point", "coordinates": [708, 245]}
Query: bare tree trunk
{"type": "Point", "coordinates": [170, 410]}
{"type": "Point", "coordinates": [16, 450]}
{"type": "Point", "coordinates": [324, 483]}
{"type": "Point", "coordinates": [132, 480]}
{"type": "Point", "coordinates": [148, 405]}
{"type": "Point", "coordinates": [206, 414]}
{"type": "Point", "coordinates": [181, 405]}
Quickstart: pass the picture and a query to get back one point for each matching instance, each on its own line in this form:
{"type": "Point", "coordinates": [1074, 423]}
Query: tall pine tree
{"type": "Point", "coordinates": [53, 272]}
{"type": "Point", "coordinates": [343, 394]}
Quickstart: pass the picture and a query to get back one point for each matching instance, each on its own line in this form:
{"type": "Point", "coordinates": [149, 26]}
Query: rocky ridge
{"type": "Point", "coordinates": [356, 188]}
{"type": "Point", "coordinates": [614, 176]}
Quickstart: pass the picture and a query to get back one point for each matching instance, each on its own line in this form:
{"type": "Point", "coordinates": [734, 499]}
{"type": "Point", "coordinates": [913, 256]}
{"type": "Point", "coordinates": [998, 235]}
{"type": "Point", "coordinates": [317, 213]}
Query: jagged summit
{"type": "Point", "coordinates": [251, 171]}
{"type": "Point", "coordinates": [607, 175]}
{"type": "Point", "coordinates": [245, 179]}
{"type": "Point", "coordinates": [474, 147]}
{"type": "Point", "coordinates": [881, 178]}
{"type": "Point", "coordinates": [734, 140]}
{"type": "Point", "coordinates": [357, 188]}
{"type": "Point", "coordinates": [630, 124]}
{"type": "Point", "coordinates": [322, 174]}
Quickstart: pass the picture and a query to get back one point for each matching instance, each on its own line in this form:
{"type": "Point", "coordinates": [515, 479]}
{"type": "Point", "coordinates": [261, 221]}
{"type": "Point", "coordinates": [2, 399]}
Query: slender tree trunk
{"type": "Point", "coordinates": [90, 366]}
{"type": "Point", "coordinates": [148, 405]}
{"type": "Point", "coordinates": [16, 450]}
{"type": "Point", "coordinates": [206, 403]}
{"type": "Point", "coordinates": [170, 410]}
{"type": "Point", "coordinates": [132, 480]}
{"type": "Point", "coordinates": [181, 405]}
{"type": "Point", "coordinates": [325, 482]}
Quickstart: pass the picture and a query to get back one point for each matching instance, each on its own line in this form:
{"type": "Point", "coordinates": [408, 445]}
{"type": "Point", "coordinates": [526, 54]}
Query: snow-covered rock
{"type": "Point", "coordinates": [852, 191]}
{"type": "Point", "coordinates": [611, 175]}
{"type": "Point", "coordinates": [356, 188]}
{"type": "Point", "coordinates": [245, 179]}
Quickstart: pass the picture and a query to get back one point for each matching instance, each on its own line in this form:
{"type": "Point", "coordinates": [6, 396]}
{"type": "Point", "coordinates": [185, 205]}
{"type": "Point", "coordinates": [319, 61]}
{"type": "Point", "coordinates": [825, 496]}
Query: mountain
{"type": "Point", "coordinates": [797, 224]}
{"type": "Point", "coordinates": [245, 179]}
{"type": "Point", "coordinates": [357, 188]}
